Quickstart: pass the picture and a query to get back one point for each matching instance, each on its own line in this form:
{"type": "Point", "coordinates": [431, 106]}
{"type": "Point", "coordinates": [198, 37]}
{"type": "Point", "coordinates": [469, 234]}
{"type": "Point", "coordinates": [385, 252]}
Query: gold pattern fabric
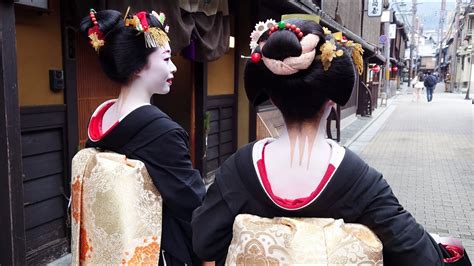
{"type": "Point", "coordinates": [289, 241]}
{"type": "Point", "coordinates": [116, 211]}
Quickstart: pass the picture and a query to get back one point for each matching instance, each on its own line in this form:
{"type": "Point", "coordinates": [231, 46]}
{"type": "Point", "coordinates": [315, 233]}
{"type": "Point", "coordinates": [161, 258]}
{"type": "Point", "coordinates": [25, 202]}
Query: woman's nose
{"type": "Point", "coordinates": [173, 67]}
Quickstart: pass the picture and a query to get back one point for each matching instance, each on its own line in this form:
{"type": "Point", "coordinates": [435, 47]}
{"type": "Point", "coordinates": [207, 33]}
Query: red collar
{"type": "Point", "coordinates": [95, 125]}
{"type": "Point", "coordinates": [291, 203]}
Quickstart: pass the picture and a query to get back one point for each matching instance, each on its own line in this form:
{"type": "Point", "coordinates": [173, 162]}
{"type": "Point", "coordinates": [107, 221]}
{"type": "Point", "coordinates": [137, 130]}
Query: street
{"type": "Point", "coordinates": [426, 153]}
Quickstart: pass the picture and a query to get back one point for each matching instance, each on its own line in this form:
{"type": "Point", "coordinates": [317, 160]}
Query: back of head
{"type": "Point", "coordinates": [123, 51]}
{"type": "Point", "coordinates": [299, 96]}
{"type": "Point", "coordinates": [420, 76]}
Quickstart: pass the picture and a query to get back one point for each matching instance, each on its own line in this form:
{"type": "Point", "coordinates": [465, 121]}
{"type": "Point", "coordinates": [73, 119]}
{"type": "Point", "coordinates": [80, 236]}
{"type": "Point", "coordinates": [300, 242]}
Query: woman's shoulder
{"type": "Point", "coordinates": [237, 169]}
{"type": "Point", "coordinates": [355, 171]}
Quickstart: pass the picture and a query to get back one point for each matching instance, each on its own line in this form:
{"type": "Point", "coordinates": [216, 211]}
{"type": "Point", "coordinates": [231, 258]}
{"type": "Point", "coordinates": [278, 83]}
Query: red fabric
{"type": "Point", "coordinates": [142, 17]}
{"type": "Point", "coordinates": [95, 125]}
{"type": "Point", "coordinates": [95, 29]}
{"type": "Point", "coordinates": [291, 203]}
{"type": "Point", "coordinates": [456, 253]}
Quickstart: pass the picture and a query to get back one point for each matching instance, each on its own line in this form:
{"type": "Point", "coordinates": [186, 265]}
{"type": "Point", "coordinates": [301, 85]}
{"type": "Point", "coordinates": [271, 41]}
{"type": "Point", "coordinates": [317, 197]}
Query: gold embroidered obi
{"type": "Point", "coordinates": [289, 241]}
{"type": "Point", "coordinates": [116, 210]}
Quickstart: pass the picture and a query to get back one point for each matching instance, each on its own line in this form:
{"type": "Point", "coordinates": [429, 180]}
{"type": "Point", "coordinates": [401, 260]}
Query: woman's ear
{"type": "Point", "coordinates": [138, 72]}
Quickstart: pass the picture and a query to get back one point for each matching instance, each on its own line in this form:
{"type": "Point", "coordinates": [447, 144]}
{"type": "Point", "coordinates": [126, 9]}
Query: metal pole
{"type": "Point", "coordinates": [387, 56]}
{"type": "Point", "coordinates": [412, 44]}
{"type": "Point", "coordinates": [454, 56]}
{"type": "Point", "coordinates": [419, 33]}
{"type": "Point", "coordinates": [440, 33]}
{"type": "Point", "coordinates": [472, 57]}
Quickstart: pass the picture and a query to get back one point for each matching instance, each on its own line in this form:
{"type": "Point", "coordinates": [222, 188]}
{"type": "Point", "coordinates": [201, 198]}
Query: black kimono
{"type": "Point", "coordinates": [149, 135]}
{"type": "Point", "coordinates": [356, 193]}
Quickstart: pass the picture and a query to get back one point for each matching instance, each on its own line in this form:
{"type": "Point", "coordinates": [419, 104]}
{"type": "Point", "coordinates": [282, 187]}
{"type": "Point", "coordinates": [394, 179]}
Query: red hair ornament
{"type": "Point", "coordinates": [95, 35]}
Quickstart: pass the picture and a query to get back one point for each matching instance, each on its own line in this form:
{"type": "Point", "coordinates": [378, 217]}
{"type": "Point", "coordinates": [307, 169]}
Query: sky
{"type": "Point", "coordinates": [428, 11]}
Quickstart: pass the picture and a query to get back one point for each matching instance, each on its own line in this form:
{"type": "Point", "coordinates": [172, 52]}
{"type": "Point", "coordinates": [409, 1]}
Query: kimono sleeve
{"type": "Point", "coordinates": [169, 164]}
{"type": "Point", "coordinates": [212, 222]}
{"type": "Point", "coordinates": [405, 242]}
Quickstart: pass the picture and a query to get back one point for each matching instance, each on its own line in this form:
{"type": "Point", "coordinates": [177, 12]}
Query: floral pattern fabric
{"type": "Point", "coordinates": [289, 241]}
{"type": "Point", "coordinates": [116, 211]}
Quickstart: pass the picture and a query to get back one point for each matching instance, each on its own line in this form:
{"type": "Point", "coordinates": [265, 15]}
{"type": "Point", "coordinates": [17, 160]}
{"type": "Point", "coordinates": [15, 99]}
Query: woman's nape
{"type": "Point", "coordinates": [298, 159]}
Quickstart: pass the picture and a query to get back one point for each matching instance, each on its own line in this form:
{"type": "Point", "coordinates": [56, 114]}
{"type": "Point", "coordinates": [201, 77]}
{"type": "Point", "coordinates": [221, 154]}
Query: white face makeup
{"type": "Point", "coordinates": [158, 76]}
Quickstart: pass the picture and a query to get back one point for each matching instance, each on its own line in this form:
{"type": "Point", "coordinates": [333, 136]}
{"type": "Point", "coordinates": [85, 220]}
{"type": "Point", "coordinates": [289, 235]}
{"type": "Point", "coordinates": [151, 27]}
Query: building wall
{"type": "Point", "coordinates": [220, 75]}
{"type": "Point", "coordinates": [38, 40]}
{"type": "Point", "coordinates": [349, 13]}
{"type": "Point", "coordinates": [371, 27]}
{"type": "Point", "coordinates": [242, 41]}
{"type": "Point", "coordinates": [428, 62]}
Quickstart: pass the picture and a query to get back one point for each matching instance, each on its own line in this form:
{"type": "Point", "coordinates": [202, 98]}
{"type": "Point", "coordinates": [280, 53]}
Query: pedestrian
{"type": "Point", "coordinates": [430, 84]}
{"type": "Point", "coordinates": [302, 173]}
{"type": "Point", "coordinates": [134, 52]}
{"type": "Point", "coordinates": [418, 86]}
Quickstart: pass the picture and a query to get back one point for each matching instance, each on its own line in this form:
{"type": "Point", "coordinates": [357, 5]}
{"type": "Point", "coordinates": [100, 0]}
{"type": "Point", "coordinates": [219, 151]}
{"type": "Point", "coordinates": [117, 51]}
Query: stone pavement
{"type": "Point", "coordinates": [426, 153]}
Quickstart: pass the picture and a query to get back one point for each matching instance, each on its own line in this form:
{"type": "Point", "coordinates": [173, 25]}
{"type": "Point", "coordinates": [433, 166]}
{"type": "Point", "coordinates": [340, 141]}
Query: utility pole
{"type": "Point", "coordinates": [471, 54]}
{"type": "Point", "coordinates": [386, 30]}
{"type": "Point", "coordinates": [412, 44]}
{"type": "Point", "coordinates": [440, 33]}
{"type": "Point", "coordinates": [419, 33]}
{"type": "Point", "coordinates": [454, 56]}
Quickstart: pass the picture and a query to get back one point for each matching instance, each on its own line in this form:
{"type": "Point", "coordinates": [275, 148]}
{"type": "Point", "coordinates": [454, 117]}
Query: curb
{"type": "Point", "coordinates": [374, 118]}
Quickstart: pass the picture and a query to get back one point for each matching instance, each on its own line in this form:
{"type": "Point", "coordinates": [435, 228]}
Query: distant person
{"type": "Point", "coordinates": [418, 86]}
{"type": "Point", "coordinates": [430, 84]}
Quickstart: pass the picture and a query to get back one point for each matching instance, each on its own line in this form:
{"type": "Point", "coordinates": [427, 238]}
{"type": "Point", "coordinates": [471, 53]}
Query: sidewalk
{"type": "Point", "coordinates": [359, 125]}
{"type": "Point", "coordinates": [426, 153]}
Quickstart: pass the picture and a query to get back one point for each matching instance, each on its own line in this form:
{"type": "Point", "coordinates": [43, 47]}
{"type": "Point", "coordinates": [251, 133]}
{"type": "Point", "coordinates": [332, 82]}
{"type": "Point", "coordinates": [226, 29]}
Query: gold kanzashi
{"type": "Point", "coordinates": [328, 52]}
{"type": "Point", "coordinates": [96, 42]}
{"type": "Point", "coordinates": [158, 37]}
{"type": "Point", "coordinates": [357, 57]}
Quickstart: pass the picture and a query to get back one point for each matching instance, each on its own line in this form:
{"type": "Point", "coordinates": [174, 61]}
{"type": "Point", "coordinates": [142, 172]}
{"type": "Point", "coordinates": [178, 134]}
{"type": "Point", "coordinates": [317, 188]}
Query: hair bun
{"type": "Point", "coordinates": [282, 44]}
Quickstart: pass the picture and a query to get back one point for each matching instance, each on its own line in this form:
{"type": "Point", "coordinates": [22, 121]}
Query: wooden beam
{"type": "Point", "coordinates": [12, 238]}
{"type": "Point", "coordinates": [200, 86]}
{"type": "Point", "coordinates": [254, 10]}
{"type": "Point", "coordinates": [68, 35]}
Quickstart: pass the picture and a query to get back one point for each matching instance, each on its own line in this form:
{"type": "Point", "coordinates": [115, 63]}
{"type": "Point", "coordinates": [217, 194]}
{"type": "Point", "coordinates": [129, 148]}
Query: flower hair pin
{"type": "Point", "coordinates": [329, 50]}
{"type": "Point", "coordinates": [95, 35]}
{"type": "Point", "coordinates": [260, 28]}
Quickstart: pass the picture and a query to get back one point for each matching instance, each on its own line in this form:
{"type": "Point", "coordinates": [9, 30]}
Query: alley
{"type": "Point", "coordinates": [426, 152]}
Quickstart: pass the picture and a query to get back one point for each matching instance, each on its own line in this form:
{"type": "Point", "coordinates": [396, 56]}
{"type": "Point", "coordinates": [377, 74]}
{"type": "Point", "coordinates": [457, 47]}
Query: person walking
{"type": "Point", "coordinates": [430, 83]}
{"type": "Point", "coordinates": [418, 86]}
{"type": "Point", "coordinates": [134, 51]}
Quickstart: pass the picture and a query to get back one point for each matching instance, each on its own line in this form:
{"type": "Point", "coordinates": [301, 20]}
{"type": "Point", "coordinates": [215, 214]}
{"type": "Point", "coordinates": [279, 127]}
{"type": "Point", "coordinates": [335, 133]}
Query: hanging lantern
{"type": "Point", "coordinates": [376, 69]}
{"type": "Point", "coordinates": [394, 69]}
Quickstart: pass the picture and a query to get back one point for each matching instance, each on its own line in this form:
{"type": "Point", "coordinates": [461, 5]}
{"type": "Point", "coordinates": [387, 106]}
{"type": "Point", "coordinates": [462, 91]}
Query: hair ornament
{"type": "Point", "coordinates": [95, 35]}
{"type": "Point", "coordinates": [292, 65]}
{"type": "Point", "coordinates": [260, 28]}
{"type": "Point", "coordinates": [287, 26]}
{"type": "Point", "coordinates": [154, 36]}
{"type": "Point", "coordinates": [329, 50]}
{"type": "Point", "coordinates": [357, 57]}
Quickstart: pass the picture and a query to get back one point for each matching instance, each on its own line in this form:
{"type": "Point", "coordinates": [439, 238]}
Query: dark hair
{"type": "Point", "coordinates": [299, 96]}
{"type": "Point", "coordinates": [124, 51]}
